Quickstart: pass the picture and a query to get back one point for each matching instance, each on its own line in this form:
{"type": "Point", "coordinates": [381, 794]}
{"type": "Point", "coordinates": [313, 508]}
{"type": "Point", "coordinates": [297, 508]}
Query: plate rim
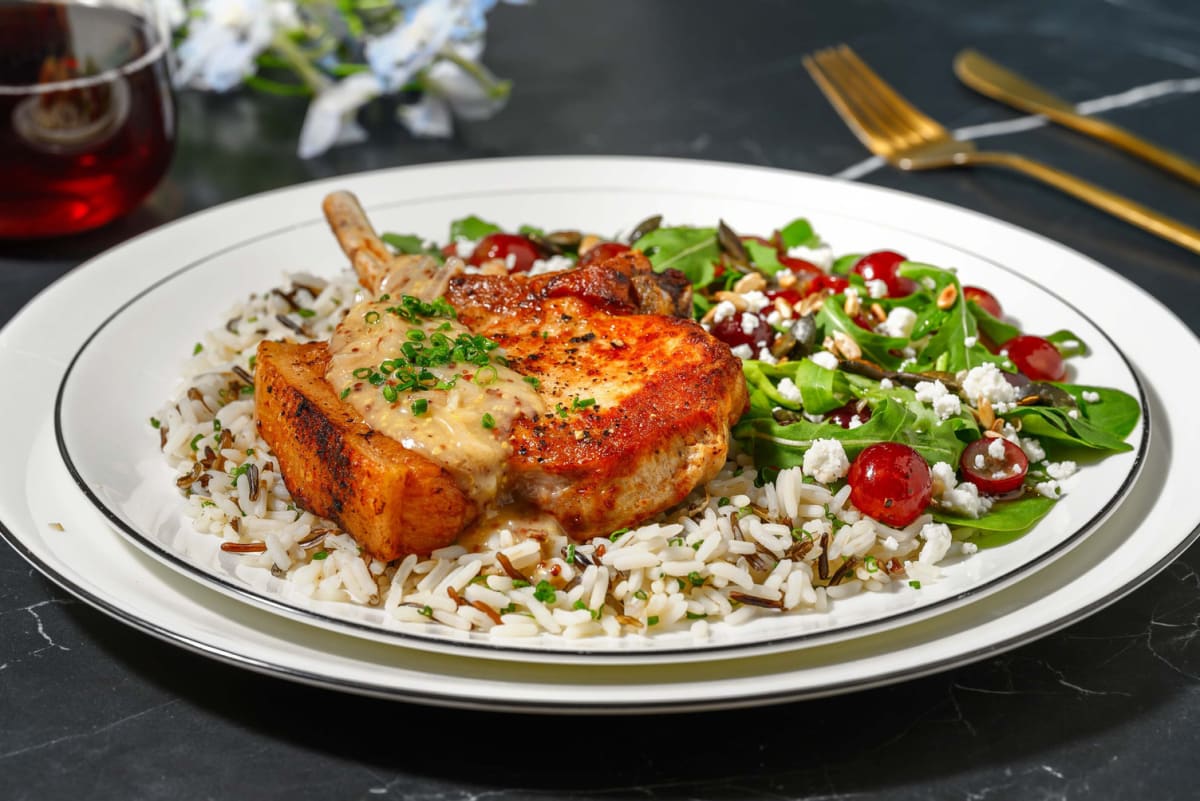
{"type": "Point", "coordinates": [515, 650]}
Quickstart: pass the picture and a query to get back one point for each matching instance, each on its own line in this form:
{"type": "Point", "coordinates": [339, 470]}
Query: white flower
{"type": "Point", "coordinates": [398, 55]}
{"type": "Point", "coordinates": [428, 118]}
{"type": "Point", "coordinates": [470, 96]}
{"type": "Point", "coordinates": [330, 118]}
{"type": "Point", "coordinates": [225, 39]}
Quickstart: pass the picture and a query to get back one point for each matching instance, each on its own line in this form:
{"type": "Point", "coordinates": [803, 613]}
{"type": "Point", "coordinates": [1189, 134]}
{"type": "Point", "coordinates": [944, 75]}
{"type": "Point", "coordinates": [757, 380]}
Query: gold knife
{"type": "Point", "coordinates": [989, 78]}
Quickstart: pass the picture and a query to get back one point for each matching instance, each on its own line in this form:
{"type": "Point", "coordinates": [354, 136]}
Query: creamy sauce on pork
{"type": "Point", "coordinates": [433, 386]}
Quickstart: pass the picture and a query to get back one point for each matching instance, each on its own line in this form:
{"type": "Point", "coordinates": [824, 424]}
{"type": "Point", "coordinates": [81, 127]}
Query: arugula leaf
{"type": "Point", "coordinates": [798, 232]}
{"type": "Point", "coordinates": [947, 349]}
{"type": "Point", "coordinates": [472, 228]}
{"type": "Point", "coordinates": [875, 347]}
{"type": "Point", "coordinates": [763, 257]}
{"type": "Point", "coordinates": [896, 415]}
{"type": "Point", "coordinates": [692, 251]}
{"type": "Point", "coordinates": [994, 329]}
{"type": "Point", "coordinates": [821, 390]}
{"type": "Point", "coordinates": [405, 243]}
{"type": "Point", "coordinates": [530, 230]}
{"type": "Point", "coordinates": [844, 264]}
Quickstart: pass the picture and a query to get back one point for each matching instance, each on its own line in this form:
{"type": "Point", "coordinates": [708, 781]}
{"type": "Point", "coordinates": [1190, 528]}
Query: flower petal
{"type": "Point", "coordinates": [330, 117]}
{"type": "Point", "coordinates": [428, 118]}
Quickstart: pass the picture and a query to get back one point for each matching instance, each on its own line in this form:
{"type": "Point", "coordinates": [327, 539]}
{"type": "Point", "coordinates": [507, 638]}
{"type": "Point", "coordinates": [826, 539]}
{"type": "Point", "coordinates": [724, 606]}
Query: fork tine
{"type": "Point", "coordinates": [872, 115]}
{"type": "Point", "coordinates": [915, 118]}
{"type": "Point", "coordinates": [859, 119]}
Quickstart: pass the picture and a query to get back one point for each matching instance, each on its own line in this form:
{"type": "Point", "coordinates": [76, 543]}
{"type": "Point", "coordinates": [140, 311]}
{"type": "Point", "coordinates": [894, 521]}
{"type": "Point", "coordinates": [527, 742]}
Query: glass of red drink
{"type": "Point", "coordinates": [87, 119]}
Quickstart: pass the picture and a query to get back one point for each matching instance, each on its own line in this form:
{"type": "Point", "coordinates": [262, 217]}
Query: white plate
{"type": "Point", "coordinates": [1149, 529]}
{"type": "Point", "coordinates": [122, 375]}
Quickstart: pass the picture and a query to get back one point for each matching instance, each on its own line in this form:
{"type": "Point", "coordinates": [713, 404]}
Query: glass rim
{"type": "Point", "coordinates": [146, 59]}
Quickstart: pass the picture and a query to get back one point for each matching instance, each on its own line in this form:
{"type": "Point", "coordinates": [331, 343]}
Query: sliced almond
{"type": "Point", "coordinates": [588, 242]}
{"type": "Point", "coordinates": [853, 305]}
{"type": "Point", "coordinates": [986, 416]}
{"type": "Point", "coordinates": [784, 308]}
{"type": "Point", "coordinates": [878, 312]}
{"type": "Point", "coordinates": [947, 296]}
{"type": "Point", "coordinates": [846, 346]}
{"type": "Point", "coordinates": [786, 279]}
{"type": "Point", "coordinates": [737, 300]}
{"type": "Point", "coordinates": [750, 283]}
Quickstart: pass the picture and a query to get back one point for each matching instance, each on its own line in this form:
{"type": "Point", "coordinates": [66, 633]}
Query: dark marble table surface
{"type": "Point", "coordinates": [1107, 708]}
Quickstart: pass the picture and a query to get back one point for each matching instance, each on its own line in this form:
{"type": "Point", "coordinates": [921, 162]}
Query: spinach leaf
{"type": "Point", "coordinates": [1067, 343]}
{"type": "Point", "coordinates": [692, 251]}
{"type": "Point", "coordinates": [798, 232]}
{"type": "Point", "coordinates": [472, 228]}
{"type": "Point", "coordinates": [405, 243]}
{"type": "Point", "coordinates": [1052, 424]}
{"type": "Point", "coordinates": [762, 256]}
{"type": "Point", "coordinates": [1116, 412]}
{"type": "Point", "coordinates": [1003, 523]}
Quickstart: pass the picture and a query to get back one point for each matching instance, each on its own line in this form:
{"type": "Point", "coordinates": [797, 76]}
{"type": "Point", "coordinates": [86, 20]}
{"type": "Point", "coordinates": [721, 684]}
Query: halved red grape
{"type": "Point", "coordinates": [1037, 358]}
{"type": "Point", "coordinates": [994, 474]}
{"type": "Point", "coordinates": [986, 300]}
{"type": "Point", "coordinates": [732, 331]}
{"type": "Point", "coordinates": [844, 415]}
{"type": "Point", "coordinates": [881, 266]}
{"type": "Point", "coordinates": [602, 252]}
{"type": "Point", "coordinates": [890, 482]}
{"type": "Point", "coordinates": [501, 246]}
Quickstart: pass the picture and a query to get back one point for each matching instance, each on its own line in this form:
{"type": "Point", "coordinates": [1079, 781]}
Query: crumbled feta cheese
{"type": "Point", "coordinates": [723, 311]}
{"type": "Point", "coordinates": [774, 318]}
{"type": "Point", "coordinates": [855, 422]}
{"type": "Point", "coordinates": [742, 352]}
{"type": "Point", "coordinates": [464, 248]}
{"type": "Point", "coordinates": [749, 323]}
{"type": "Point", "coordinates": [947, 406]}
{"type": "Point", "coordinates": [1073, 414]}
{"type": "Point", "coordinates": [891, 543]}
{"type": "Point", "coordinates": [877, 288]}
{"type": "Point", "coordinates": [969, 548]}
{"type": "Point", "coordinates": [929, 283]}
{"type": "Point", "coordinates": [1050, 488]}
{"type": "Point", "coordinates": [935, 394]}
{"type": "Point", "coordinates": [987, 382]}
{"type": "Point", "coordinates": [765, 355]}
{"type": "Point", "coordinates": [826, 461]}
{"type": "Point", "coordinates": [1060, 470]}
{"type": "Point", "coordinates": [970, 341]}
{"type": "Point", "coordinates": [963, 499]}
{"type": "Point", "coordinates": [886, 383]}
{"type": "Point", "coordinates": [1091, 397]}
{"type": "Point", "coordinates": [553, 264]}
{"type": "Point", "coordinates": [821, 255]}
{"type": "Point", "coordinates": [756, 301]}
{"type": "Point", "coordinates": [1069, 344]}
{"type": "Point", "coordinates": [825, 359]}
{"type": "Point", "coordinates": [937, 542]}
{"type": "Point", "coordinates": [995, 449]}
{"type": "Point", "coordinates": [510, 261]}
{"type": "Point", "coordinates": [899, 323]}
{"type": "Point", "coordinates": [1033, 449]}
{"type": "Point", "coordinates": [789, 391]}
{"type": "Point", "coordinates": [980, 461]}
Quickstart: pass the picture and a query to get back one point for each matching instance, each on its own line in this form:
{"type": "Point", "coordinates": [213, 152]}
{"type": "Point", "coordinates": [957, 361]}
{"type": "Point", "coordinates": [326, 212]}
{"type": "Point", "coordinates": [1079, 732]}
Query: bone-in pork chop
{"type": "Point", "coordinates": [631, 410]}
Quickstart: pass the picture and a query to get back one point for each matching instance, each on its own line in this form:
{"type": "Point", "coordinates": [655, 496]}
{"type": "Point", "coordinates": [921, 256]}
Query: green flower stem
{"type": "Point", "coordinates": [494, 88]}
{"type": "Point", "coordinates": [297, 59]}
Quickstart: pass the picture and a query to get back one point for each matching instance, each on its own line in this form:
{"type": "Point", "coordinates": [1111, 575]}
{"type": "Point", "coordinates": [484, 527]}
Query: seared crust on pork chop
{"type": "Point", "coordinates": [392, 499]}
{"type": "Point", "coordinates": [640, 405]}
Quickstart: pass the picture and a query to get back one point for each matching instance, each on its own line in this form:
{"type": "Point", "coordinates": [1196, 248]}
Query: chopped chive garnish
{"type": "Point", "coordinates": [345, 392]}
{"type": "Point", "coordinates": [696, 579]}
{"type": "Point", "coordinates": [641, 595]}
{"type": "Point", "coordinates": [306, 313]}
{"type": "Point", "coordinates": [583, 403]}
{"type": "Point", "coordinates": [652, 620]}
{"type": "Point", "coordinates": [916, 585]}
{"type": "Point", "coordinates": [420, 406]}
{"type": "Point", "coordinates": [155, 422]}
{"type": "Point", "coordinates": [196, 439]}
{"type": "Point", "coordinates": [198, 347]}
{"type": "Point", "coordinates": [545, 592]}
{"type": "Point", "coordinates": [427, 611]}
{"type": "Point", "coordinates": [216, 424]}
{"type": "Point", "coordinates": [533, 381]}
{"type": "Point", "coordinates": [617, 534]}
{"type": "Point", "coordinates": [371, 317]}
{"type": "Point", "coordinates": [319, 555]}
{"type": "Point", "coordinates": [488, 421]}
{"type": "Point", "coordinates": [519, 583]}
{"type": "Point", "coordinates": [696, 615]}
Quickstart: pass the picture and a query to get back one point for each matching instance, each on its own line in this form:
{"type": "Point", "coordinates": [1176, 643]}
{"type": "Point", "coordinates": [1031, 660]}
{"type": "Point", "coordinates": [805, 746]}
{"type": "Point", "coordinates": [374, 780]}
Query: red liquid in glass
{"type": "Point", "coordinates": [75, 158]}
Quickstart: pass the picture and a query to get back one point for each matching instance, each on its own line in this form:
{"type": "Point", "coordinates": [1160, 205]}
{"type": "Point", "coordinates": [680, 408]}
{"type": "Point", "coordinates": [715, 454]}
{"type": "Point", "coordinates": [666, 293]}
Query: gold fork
{"type": "Point", "coordinates": [895, 130]}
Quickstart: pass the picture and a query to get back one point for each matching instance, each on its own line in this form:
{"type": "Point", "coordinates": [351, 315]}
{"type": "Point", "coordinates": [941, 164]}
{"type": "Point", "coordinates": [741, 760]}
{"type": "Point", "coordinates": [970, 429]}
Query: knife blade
{"type": "Point", "coordinates": [999, 83]}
